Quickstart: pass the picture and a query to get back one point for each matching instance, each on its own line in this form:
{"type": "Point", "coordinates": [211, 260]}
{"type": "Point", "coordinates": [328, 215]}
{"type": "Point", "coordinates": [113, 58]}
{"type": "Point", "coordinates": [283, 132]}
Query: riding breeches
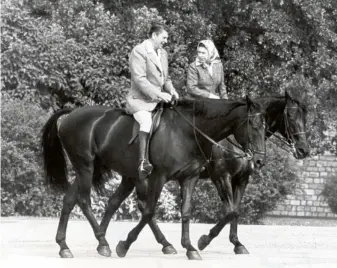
{"type": "Point", "coordinates": [144, 118]}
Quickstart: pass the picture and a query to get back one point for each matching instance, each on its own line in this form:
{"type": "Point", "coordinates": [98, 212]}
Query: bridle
{"type": "Point", "coordinates": [290, 136]}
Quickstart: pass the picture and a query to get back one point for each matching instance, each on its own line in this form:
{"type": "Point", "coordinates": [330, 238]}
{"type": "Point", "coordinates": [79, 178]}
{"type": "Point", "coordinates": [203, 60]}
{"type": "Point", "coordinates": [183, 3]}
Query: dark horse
{"type": "Point", "coordinates": [96, 141]}
{"type": "Point", "coordinates": [230, 174]}
{"type": "Point", "coordinates": [286, 115]}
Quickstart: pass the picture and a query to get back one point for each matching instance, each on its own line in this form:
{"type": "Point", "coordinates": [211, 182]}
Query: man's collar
{"type": "Point", "coordinates": [150, 48]}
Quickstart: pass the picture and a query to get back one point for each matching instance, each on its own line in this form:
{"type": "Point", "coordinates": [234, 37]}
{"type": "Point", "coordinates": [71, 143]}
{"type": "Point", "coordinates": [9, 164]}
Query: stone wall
{"type": "Point", "coordinates": [308, 201]}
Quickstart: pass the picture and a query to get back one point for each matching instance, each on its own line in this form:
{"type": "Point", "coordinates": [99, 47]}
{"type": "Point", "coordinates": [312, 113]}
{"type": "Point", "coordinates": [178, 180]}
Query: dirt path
{"type": "Point", "coordinates": [26, 242]}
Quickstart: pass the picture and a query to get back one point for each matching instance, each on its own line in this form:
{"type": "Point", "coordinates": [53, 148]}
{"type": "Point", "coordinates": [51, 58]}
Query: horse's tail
{"type": "Point", "coordinates": [54, 161]}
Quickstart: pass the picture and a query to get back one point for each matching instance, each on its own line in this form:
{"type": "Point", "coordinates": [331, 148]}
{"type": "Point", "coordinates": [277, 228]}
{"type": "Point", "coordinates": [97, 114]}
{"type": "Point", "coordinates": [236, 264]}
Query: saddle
{"type": "Point", "coordinates": [156, 116]}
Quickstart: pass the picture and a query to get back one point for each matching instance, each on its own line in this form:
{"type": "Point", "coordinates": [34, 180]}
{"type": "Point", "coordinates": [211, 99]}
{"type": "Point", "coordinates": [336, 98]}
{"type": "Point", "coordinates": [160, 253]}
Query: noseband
{"type": "Point", "coordinates": [290, 140]}
{"type": "Point", "coordinates": [290, 135]}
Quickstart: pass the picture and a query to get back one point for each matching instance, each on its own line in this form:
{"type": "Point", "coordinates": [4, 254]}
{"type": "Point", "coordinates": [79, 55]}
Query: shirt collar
{"type": "Point", "coordinates": [150, 47]}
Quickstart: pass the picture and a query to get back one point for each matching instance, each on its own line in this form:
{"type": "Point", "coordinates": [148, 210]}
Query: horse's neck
{"type": "Point", "coordinates": [223, 125]}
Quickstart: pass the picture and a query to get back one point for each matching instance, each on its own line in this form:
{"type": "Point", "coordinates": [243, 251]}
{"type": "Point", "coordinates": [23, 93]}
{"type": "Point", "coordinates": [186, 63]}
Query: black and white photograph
{"type": "Point", "coordinates": [168, 133]}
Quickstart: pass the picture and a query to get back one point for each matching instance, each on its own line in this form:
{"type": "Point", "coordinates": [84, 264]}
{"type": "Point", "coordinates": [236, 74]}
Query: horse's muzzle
{"type": "Point", "coordinates": [301, 152]}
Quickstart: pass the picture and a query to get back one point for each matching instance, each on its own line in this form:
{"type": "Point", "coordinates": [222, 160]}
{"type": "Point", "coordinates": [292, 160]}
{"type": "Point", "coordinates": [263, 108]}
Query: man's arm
{"type": "Point", "coordinates": [168, 86]}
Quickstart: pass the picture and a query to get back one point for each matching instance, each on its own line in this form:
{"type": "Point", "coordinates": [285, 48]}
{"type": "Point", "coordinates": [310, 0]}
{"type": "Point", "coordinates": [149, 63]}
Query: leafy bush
{"type": "Point", "coordinates": [74, 57]}
{"type": "Point", "coordinates": [168, 208]}
{"type": "Point", "coordinates": [76, 52]}
{"type": "Point", "coordinates": [22, 187]}
{"type": "Point", "coordinates": [206, 203]}
{"type": "Point", "coordinates": [330, 193]}
{"type": "Point", "coordinates": [78, 55]}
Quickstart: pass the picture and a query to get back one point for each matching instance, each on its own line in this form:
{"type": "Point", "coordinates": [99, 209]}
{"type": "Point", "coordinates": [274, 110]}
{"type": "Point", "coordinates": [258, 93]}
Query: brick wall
{"type": "Point", "coordinates": [307, 200]}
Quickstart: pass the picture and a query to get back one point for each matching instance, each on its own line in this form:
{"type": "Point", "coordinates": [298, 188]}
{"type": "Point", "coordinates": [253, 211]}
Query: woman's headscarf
{"type": "Point", "coordinates": [213, 53]}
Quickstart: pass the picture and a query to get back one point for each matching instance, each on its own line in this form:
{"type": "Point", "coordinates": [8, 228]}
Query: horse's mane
{"type": "Point", "coordinates": [210, 108]}
{"type": "Point", "coordinates": [271, 100]}
{"type": "Point", "coordinates": [267, 101]}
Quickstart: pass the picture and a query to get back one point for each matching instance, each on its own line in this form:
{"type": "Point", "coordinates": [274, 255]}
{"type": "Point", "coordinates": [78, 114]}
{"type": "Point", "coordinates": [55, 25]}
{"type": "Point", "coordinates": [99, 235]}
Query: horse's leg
{"type": "Point", "coordinates": [239, 190]}
{"type": "Point", "coordinates": [84, 175]}
{"type": "Point", "coordinates": [122, 192]}
{"type": "Point", "coordinates": [69, 202]}
{"type": "Point", "coordinates": [225, 191]}
{"type": "Point", "coordinates": [141, 189]}
{"type": "Point", "coordinates": [156, 182]}
{"type": "Point", "coordinates": [186, 190]}
{"type": "Point", "coordinates": [78, 192]}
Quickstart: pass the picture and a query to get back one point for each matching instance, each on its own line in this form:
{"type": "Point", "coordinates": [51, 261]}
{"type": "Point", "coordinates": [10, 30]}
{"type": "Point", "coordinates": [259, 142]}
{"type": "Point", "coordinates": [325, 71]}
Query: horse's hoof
{"type": "Point", "coordinates": [66, 254]}
{"type": "Point", "coordinates": [121, 249]}
{"type": "Point", "coordinates": [203, 242]}
{"type": "Point", "coordinates": [193, 255]}
{"type": "Point", "coordinates": [241, 250]}
{"type": "Point", "coordinates": [104, 251]}
{"type": "Point", "coordinates": [169, 250]}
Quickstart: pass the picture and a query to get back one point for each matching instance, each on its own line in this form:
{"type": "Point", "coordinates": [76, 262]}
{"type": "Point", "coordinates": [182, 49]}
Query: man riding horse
{"type": "Point", "coordinates": [150, 84]}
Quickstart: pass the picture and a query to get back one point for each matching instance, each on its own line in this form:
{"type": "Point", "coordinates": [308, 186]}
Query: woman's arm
{"type": "Point", "coordinates": [222, 87]}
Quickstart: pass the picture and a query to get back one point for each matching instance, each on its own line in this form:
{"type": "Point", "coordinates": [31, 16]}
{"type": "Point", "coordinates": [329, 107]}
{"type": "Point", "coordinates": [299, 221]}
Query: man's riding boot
{"type": "Point", "coordinates": [145, 167]}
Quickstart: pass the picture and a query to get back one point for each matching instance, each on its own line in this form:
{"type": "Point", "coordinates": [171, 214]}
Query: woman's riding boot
{"type": "Point", "coordinates": [145, 167]}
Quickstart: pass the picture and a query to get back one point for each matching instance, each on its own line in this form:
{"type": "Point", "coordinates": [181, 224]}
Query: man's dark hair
{"type": "Point", "coordinates": [156, 27]}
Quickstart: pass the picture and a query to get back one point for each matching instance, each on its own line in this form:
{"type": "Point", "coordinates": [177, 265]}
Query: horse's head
{"type": "Point", "coordinates": [251, 133]}
{"type": "Point", "coordinates": [294, 126]}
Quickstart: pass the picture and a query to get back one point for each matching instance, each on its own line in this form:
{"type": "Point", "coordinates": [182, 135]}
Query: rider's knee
{"type": "Point", "coordinates": [144, 118]}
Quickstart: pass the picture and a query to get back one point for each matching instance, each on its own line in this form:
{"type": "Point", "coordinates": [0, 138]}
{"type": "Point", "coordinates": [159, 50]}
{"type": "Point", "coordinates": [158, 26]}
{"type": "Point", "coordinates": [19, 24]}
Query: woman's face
{"type": "Point", "coordinates": [202, 54]}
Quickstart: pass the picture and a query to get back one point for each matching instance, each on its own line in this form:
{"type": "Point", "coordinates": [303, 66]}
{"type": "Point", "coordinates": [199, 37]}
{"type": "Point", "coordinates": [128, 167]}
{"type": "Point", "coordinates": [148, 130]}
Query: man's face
{"type": "Point", "coordinates": [202, 54]}
{"type": "Point", "coordinates": [160, 39]}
